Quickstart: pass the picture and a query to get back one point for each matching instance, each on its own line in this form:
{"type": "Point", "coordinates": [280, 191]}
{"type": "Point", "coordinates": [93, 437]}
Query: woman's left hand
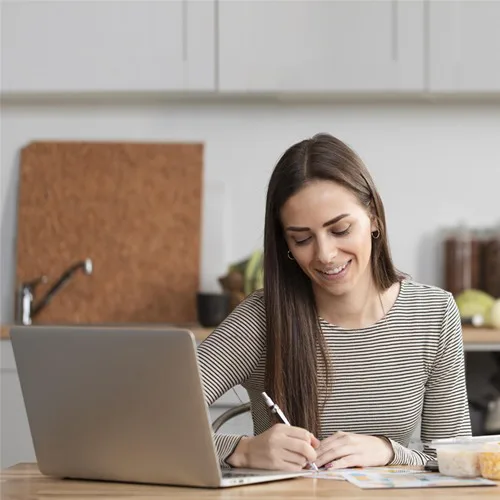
{"type": "Point", "coordinates": [345, 449]}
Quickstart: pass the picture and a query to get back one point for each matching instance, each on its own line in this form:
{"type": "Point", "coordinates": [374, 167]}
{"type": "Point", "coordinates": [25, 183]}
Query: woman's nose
{"type": "Point", "coordinates": [326, 252]}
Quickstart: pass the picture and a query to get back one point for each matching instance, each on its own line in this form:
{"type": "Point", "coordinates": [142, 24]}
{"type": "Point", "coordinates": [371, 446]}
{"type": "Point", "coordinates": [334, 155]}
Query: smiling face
{"type": "Point", "coordinates": [328, 233]}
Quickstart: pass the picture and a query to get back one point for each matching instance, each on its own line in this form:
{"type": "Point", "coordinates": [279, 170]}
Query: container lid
{"type": "Point", "coordinates": [492, 447]}
{"type": "Point", "coordinates": [466, 441]}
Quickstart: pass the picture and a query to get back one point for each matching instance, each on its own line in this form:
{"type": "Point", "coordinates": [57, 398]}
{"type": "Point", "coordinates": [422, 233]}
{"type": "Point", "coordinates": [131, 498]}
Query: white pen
{"type": "Point", "coordinates": [277, 410]}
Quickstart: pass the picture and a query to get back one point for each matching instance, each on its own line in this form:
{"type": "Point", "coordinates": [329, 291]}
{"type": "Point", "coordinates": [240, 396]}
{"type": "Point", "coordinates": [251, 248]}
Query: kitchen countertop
{"type": "Point", "coordinates": [199, 332]}
{"type": "Point", "coordinates": [475, 339]}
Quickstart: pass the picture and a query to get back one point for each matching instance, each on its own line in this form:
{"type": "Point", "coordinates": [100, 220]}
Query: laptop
{"type": "Point", "coordinates": [121, 404]}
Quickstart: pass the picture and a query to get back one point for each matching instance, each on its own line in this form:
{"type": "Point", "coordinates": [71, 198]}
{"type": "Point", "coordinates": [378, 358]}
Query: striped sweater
{"type": "Point", "coordinates": [406, 369]}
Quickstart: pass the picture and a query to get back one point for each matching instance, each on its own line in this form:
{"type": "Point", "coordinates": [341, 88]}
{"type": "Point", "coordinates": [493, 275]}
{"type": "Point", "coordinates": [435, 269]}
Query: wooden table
{"type": "Point", "coordinates": [24, 482]}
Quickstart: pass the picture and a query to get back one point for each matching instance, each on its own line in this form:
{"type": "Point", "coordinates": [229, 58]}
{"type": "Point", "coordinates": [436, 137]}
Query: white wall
{"type": "Point", "coordinates": [435, 164]}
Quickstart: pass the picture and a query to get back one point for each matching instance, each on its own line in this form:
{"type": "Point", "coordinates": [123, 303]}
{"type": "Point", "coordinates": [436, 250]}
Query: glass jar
{"type": "Point", "coordinates": [462, 253]}
{"type": "Point", "coordinates": [490, 264]}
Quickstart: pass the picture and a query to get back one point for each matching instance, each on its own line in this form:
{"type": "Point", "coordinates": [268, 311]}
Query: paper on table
{"type": "Point", "coordinates": [369, 479]}
{"type": "Point", "coordinates": [338, 474]}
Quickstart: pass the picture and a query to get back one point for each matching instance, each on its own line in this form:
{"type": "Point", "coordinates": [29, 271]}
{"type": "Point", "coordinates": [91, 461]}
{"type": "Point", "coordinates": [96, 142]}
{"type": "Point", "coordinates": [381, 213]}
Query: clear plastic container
{"type": "Point", "coordinates": [489, 461]}
{"type": "Point", "coordinates": [460, 457]}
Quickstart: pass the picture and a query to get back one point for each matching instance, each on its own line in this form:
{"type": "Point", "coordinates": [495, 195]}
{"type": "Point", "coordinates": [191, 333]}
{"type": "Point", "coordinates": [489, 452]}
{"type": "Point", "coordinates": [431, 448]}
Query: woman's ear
{"type": "Point", "coordinates": [375, 227]}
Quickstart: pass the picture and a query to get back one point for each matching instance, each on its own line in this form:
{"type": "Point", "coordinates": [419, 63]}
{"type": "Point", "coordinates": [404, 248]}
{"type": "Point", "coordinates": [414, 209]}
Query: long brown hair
{"type": "Point", "coordinates": [293, 331]}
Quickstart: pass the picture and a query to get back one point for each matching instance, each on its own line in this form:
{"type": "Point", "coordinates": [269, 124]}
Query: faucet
{"type": "Point", "coordinates": [26, 309]}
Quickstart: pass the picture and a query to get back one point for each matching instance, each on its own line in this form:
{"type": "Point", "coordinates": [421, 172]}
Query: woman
{"type": "Point", "coordinates": [353, 352]}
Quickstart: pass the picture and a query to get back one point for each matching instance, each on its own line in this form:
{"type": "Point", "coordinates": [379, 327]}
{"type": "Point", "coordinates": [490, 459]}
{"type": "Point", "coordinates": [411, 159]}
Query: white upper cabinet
{"type": "Point", "coordinates": [321, 46]}
{"type": "Point", "coordinates": [94, 46]}
{"type": "Point", "coordinates": [464, 46]}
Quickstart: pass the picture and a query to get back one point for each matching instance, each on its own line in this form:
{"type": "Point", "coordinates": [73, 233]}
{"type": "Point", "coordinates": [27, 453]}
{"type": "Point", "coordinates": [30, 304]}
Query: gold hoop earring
{"type": "Point", "coordinates": [376, 234]}
{"type": "Point", "coordinates": [290, 256]}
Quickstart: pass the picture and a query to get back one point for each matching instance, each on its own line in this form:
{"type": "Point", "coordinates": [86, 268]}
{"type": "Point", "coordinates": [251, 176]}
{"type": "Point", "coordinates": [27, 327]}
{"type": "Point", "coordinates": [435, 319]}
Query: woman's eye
{"type": "Point", "coordinates": [302, 242]}
{"type": "Point", "coordinates": [342, 233]}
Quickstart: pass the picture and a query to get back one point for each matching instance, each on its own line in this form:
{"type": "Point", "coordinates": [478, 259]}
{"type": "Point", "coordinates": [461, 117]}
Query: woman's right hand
{"type": "Point", "coordinates": [281, 447]}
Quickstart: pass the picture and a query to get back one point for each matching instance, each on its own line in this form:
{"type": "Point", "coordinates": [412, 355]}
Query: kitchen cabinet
{"type": "Point", "coordinates": [89, 46]}
{"type": "Point", "coordinates": [318, 46]}
{"type": "Point", "coordinates": [464, 46]}
{"type": "Point", "coordinates": [15, 437]}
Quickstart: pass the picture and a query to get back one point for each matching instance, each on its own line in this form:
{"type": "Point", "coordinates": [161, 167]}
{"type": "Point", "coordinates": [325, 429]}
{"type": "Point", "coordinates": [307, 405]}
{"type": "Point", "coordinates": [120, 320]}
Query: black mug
{"type": "Point", "coordinates": [212, 308]}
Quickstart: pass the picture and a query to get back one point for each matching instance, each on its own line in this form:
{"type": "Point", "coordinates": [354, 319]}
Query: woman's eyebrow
{"type": "Point", "coordinates": [326, 224]}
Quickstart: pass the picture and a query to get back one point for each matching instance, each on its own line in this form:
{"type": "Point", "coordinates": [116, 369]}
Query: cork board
{"type": "Point", "coordinates": [133, 208]}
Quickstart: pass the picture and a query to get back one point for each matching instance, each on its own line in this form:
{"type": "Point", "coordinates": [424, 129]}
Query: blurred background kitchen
{"type": "Point", "coordinates": [138, 137]}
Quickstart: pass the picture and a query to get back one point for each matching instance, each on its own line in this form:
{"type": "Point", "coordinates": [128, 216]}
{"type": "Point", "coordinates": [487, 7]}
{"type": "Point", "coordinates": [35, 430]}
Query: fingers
{"type": "Point", "coordinates": [335, 453]}
{"type": "Point", "coordinates": [284, 461]}
{"type": "Point", "coordinates": [301, 448]}
{"type": "Point", "coordinates": [340, 445]}
{"type": "Point", "coordinates": [297, 433]}
{"type": "Point", "coordinates": [295, 441]}
{"type": "Point", "coordinates": [337, 437]}
{"type": "Point", "coordinates": [295, 459]}
{"type": "Point", "coordinates": [289, 467]}
{"type": "Point", "coordinates": [340, 434]}
{"type": "Point", "coordinates": [315, 442]}
{"type": "Point", "coordinates": [303, 436]}
{"type": "Point", "coordinates": [345, 462]}
{"type": "Point", "coordinates": [327, 447]}
{"type": "Point", "coordinates": [334, 442]}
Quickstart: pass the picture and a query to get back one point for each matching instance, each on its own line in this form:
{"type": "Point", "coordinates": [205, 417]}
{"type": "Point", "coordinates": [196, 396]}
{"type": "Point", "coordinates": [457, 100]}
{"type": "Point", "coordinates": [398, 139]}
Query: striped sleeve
{"type": "Point", "coordinates": [445, 407]}
{"type": "Point", "coordinates": [229, 356]}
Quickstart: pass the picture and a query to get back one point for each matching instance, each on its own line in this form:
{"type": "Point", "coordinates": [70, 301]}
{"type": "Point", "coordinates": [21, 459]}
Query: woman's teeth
{"type": "Point", "coordinates": [336, 270]}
